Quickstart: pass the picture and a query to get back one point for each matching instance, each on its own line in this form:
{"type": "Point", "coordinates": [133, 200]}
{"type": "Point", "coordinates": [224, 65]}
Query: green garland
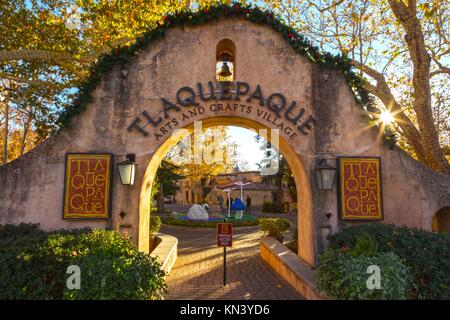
{"type": "Point", "coordinates": [301, 45]}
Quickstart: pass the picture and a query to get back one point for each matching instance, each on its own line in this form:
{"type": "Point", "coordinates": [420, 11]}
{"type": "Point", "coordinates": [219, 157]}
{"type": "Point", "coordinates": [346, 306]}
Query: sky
{"type": "Point", "coordinates": [247, 147]}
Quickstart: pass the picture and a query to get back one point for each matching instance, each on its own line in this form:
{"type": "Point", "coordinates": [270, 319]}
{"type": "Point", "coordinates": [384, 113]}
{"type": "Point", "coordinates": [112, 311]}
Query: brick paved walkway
{"type": "Point", "coordinates": [198, 271]}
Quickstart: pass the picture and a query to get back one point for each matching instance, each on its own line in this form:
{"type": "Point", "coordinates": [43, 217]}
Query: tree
{"type": "Point", "coordinates": [165, 183]}
{"type": "Point", "coordinates": [202, 156]}
{"type": "Point", "coordinates": [47, 49]}
{"type": "Point", "coordinates": [401, 47]}
{"type": "Point", "coordinates": [283, 177]}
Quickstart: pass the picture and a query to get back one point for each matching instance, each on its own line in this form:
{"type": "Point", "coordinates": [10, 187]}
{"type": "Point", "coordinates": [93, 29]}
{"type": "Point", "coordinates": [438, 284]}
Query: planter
{"type": "Point", "coordinates": [154, 242]}
{"type": "Point", "coordinates": [165, 250]}
{"type": "Point", "coordinates": [290, 267]}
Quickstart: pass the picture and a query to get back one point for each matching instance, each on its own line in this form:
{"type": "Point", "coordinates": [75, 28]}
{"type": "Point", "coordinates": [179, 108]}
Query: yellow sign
{"type": "Point", "coordinates": [87, 186]}
{"type": "Point", "coordinates": [360, 188]}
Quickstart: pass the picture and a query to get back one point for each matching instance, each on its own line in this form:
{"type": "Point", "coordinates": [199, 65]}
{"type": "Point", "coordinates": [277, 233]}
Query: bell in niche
{"type": "Point", "coordinates": [225, 71]}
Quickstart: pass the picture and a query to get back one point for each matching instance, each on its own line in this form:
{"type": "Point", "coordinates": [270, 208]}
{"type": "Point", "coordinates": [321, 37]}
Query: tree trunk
{"type": "Point", "coordinates": [280, 193]}
{"type": "Point", "coordinates": [429, 140]}
{"type": "Point", "coordinates": [161, 199]}
{"type": "Point", "coordinates": [5, 138]}
{"type": "Point", "coordinates": [26, 127]}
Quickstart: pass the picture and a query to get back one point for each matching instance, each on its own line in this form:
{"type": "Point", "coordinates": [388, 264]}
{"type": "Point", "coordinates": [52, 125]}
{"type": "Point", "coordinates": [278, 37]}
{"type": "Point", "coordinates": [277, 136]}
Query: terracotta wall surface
{"type": "Point", "coordinates": [32, 186]}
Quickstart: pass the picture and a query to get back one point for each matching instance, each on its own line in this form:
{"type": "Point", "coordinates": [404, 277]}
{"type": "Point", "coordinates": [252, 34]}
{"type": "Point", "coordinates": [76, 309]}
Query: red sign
{"type": "Point", "coordinates": [87, 186]}
{"type": "Point", "coordinates": [360, 189]}
{"type": "Point", "coordinates": [224, 234]}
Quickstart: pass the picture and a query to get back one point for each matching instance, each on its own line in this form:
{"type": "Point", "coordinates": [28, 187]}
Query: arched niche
{"type": "Point", "coordinates": [441, 221]}
{"type": "Point", "coordinates": [225, 61]}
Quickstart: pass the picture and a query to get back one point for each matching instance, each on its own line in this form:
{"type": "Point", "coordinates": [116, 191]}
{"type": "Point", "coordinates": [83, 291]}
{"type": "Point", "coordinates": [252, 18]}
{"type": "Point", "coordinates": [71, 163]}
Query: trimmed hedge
{"type": "Point", "coordinates": [343, 275]}
{"type": "Point", "coordinates": [426, 254]}
{"type": "Point", "coordinates": [33, 265]}
{"type": "Point", "coordinates": [155, 223]}
{"type": "Point", "coordinates": [293, 244]}
{"type": "Point", "coordinates": [275, 227]}
{"type": "Point", "coordinates": [206, 224]}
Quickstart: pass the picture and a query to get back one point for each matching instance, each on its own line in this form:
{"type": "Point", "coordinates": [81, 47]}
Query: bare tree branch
{"type": "Point", "coordinates": [58, 57]}
{"type": "Point", "coordinates": [30, 55]}
{"type": "Point", "coordinates": [35, 82]}
{"type": "Point", "coordinates": [334, 4]}
{"type": "Point", "coordinates": [382, 91]}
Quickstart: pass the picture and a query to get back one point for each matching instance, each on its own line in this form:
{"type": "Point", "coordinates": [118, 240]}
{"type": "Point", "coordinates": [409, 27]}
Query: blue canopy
{"type": "Point", "coordinates": [238, 205]}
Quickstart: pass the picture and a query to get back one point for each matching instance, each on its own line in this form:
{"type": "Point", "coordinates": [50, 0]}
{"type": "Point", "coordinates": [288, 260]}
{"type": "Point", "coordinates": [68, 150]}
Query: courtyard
{"type": "Point", "coordinates": [198, 271]}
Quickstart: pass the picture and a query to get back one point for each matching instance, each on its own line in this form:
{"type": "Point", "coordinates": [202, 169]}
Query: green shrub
{"type": "Point", "coordinates": [33, 265]}
{"type": "Point", "coordinates": [114, 269]}
{"type": "Point", "coordinates": [275, 227]}
{"type": "Point", "coordinates": [271, 207]}
{"type": "Point", "coordinates": [206, 224]}
{"type": "Point", "coordinates": [22, 267]}
{"type": "Point", "coordinates": [293, 244]}
{"type": "Point", "coordinates": [155, 223]}
{"type": "Point", "coordinates": [427, 254]}
{"type": "Point", "coordinates": [366, 245]}
{"type": "Point", "coordinates": [343, 275]}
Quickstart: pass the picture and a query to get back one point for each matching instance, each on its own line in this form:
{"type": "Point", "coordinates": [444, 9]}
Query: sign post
{"type": "Point", "coordinates": [224, 266]}
{"type": "Point", "coordinates": [224, 239]}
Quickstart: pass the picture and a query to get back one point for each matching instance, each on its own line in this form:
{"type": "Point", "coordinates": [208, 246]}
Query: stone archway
{"type": "Point", "coordinates": [305, 213]}
{"type": "Point", "coordinates": [122, 108]}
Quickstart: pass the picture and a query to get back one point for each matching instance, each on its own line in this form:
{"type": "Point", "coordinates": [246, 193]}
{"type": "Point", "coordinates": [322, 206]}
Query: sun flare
{"type": "Point", "coordinates": [386, 117]}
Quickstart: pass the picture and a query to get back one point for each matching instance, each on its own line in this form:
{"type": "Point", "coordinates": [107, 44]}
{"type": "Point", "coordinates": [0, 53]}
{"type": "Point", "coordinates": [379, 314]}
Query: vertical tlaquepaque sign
{"type": "Point", "coordinates": [360, 195]}
{"type": "Point", "coordinates": [87, 190]}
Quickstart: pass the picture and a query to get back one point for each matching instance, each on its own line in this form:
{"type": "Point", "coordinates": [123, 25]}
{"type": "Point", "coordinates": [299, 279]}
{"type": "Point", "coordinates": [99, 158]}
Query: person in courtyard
{"type": "Point", "coordinates": [248, 204]}
{"type": "Point", "coordinates": [221, 204]}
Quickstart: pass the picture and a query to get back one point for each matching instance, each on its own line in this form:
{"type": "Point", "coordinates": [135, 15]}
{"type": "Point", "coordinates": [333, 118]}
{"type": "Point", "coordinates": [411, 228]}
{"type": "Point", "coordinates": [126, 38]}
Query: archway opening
{"type": "Point", "coordinates": [301, 178]}
{"type": "Point", "coordinates": [441, 221]}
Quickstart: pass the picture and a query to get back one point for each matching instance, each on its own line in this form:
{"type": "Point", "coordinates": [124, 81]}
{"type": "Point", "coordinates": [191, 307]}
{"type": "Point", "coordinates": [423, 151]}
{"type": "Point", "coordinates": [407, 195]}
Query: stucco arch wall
{"type": "Point", "coordinates": [412, 192]}
{"type": "Point", "coordinates": [32, 186]}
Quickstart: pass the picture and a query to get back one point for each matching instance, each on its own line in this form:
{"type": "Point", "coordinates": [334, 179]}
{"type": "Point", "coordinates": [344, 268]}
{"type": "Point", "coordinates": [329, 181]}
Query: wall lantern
{"type": "Point", "coordinates": [325, 174]}
{"type": "Point", "coordinates": [127, 169]}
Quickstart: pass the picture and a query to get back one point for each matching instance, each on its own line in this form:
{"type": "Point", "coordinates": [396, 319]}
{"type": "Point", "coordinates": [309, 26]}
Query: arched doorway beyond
{"type": "Point", "coordinates": [441, 221]}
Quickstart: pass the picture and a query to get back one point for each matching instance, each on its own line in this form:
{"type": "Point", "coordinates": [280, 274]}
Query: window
{"type": "Point", "coordinates": [225, 61]}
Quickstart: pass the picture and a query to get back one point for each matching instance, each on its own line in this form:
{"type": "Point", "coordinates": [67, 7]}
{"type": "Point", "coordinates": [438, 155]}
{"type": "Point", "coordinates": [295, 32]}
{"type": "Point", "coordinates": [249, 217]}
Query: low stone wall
{"type": "Point", "coordinates": [166, 251]}
{"type": "Point", "coordinates": [289, 266]}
